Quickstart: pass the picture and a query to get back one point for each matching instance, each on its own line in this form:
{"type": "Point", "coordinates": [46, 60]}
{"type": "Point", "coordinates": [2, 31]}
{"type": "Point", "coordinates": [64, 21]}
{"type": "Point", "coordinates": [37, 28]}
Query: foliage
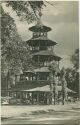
{"type": "Point", "coordinates": [28, 10]}
{"type": "Point", "coordinates": [53, 67]}
{"type": "Point", "coordinates": [75, 59]}
{"type": "Point", "coordinates": [14, 52]}
{"type": "Point", "coordinates": [72, 78]}
{"type": "Point", "coordinates": [72, 74]}
{"type": "Point", "coordinates": [9, 40]}
{"type": "Point", "coordinates": [54, 71]}
{"type": "Point", "coordinates": [15, 55]}
{"type": "Point", "coordinates": [64, 84]}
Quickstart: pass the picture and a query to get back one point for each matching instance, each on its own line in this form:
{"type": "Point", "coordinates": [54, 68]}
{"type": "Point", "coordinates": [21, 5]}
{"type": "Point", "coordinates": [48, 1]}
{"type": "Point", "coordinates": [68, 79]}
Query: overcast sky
{"type": "Point", "coordinates": [62, 17]}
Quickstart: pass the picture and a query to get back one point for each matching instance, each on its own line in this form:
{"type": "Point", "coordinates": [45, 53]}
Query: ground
{"type": "Point", "coordinates": [68, 114]}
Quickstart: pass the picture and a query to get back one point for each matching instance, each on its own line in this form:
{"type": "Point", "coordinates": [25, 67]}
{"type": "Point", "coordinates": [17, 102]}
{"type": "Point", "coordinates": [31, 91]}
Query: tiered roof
{"type": "Point", "coordinates": [39, 88]}
{"type": "Point", "coordinates": [47, 89]}
{"type": "Point", "coordinates": [39, 27]}
{"type": "Point", "coordinates": [40, 40]}
{"type": "Point", "coordinates": [47, 53]}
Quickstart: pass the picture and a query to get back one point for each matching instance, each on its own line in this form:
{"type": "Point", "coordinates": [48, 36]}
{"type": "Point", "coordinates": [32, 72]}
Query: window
{"type": "Point", "coordinates": [27, 78]}
{"type": "Point", "coordinates": [45, 63]}
{"type": "Point", "coordinates": [30, 48]}
{"type": "Point", "coordinates": [18, 95]}
{"type": "Point", "coordinates": [43, 48]}
{"type": "Point", "coordinates": [38, 34]}
{"type": "Point", "coordinates": [45, 34]}
{"type": "Point", "coordinates": [43, 76]}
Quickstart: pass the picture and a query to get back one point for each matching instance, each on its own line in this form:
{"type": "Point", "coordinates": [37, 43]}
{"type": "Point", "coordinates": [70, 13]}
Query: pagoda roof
{"type": "Point", "coordinates": [42, 41]}
{"type": "Point", "coordinates": [47, 89]}
{"type": "Point", "coordinates": [36, 86]}
{"type": "Point", "coordinates": [40, 28]}
{"type": "Point", "coordinates": [47, 53]}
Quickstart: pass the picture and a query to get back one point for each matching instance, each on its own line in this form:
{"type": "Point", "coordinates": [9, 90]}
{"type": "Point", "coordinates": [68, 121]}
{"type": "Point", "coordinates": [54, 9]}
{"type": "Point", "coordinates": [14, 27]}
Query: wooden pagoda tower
{"type": "Point", "coordinates": [42, 50]}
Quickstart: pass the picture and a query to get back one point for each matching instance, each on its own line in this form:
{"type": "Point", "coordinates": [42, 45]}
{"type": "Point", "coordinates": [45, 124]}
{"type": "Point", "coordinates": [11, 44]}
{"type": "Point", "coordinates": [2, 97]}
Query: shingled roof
{"type": "Point", "coordinates": [47, 53]}
{"type": "Point", "coordinates": [41, 40]}
{"type": "Point", "coordinates": [40, 28]}
{"type": "Point", "coordinates": [47, 89]}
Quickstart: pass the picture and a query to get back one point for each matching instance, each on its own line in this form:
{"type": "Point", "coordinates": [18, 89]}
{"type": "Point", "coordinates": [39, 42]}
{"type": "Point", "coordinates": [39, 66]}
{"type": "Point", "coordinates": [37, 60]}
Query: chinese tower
{"type": "Point", "coordinates": [33, 86]}
{"type": "Point", "coordinates": [42, 51]}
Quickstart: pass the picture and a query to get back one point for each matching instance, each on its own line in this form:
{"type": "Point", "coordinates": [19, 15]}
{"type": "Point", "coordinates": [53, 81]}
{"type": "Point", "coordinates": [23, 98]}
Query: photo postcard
{"type": "Point", "coordinates": [40, 62]}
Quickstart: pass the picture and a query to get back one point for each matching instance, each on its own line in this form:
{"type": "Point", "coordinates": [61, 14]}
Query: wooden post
{"type": "Point", "coordinates": [58, 63]}
{"type": "Point", "coordinates": [48, 98]}
{"type": "Point", "coordinates": [7, 80]}
{"type": "Point", "coordinates": [32, 98]}
{"type": "Point", "coordinates": [38, 59]}
{"type": "Point", "coordinates": [8, 93]}
{"type": "Point", "coordinates": [32, 78]}
{"type": "Point", "coordinates": [64, 85]}
{"type": "Point", "coordinates": [51, 85]}
{"type": "Point", "coordinates": [55, 89]}
{"type": "Point", "coordinates": [79, 88]}
{"type": "Point", "coordinates": [37, 98]}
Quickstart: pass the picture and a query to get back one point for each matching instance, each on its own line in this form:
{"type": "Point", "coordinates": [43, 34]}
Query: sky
{"type": "Point", "coordinates": [62, 17]}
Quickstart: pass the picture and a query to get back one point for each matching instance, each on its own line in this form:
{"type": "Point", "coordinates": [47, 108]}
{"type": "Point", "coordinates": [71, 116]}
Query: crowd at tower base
{"type": "Point", "coordinates": [43, 84]}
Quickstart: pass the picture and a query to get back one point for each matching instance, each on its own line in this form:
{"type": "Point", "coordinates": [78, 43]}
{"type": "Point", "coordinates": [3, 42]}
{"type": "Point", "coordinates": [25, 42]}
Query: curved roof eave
{"type": "Point", "coordinates": [42, 28]}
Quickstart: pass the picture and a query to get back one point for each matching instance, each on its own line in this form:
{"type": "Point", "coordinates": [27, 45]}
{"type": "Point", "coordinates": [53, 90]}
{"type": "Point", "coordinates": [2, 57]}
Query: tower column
{"type": "Point", "coordinates": [58, 63]}
{"type": "Point", "coordinates": [38, 59]}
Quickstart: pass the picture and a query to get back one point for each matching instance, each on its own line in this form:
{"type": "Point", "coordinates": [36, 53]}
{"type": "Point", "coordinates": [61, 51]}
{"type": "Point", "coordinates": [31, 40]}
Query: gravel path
{"type": "Point", "coordinates": [41, 114]}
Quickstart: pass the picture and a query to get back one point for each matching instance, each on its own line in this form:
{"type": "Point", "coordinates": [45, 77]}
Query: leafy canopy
{"type": "Point", "coordinates": [28, 10]}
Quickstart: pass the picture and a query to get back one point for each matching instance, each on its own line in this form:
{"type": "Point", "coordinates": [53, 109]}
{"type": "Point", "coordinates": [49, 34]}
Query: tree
{"type": "Point", "coordinates": [54, 72]}
{"type": "Point", "coordinates": [75, 59]}
{"type": "Point", "coordinates": [72, 74]}
{"type": "Point", "coordinates": [27, 10]}
{"type": "Point", "coordinates": [14, 52]}
{"type": "Point", "coordinates": [64, 85]}
{"type": "Point", "coordinates": [7, 30]}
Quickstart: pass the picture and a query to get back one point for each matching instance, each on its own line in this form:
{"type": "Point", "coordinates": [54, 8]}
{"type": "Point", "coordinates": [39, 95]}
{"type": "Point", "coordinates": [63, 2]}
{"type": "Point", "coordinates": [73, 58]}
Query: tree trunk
{"type": "Point", "coordinates": [64, 93]}
{"type": "Point", "coordinates": [55, 90]}
{"type": "Point", "coordinates": [79, 90]}
{"type": "Point", "coordinates": [51, 85]}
